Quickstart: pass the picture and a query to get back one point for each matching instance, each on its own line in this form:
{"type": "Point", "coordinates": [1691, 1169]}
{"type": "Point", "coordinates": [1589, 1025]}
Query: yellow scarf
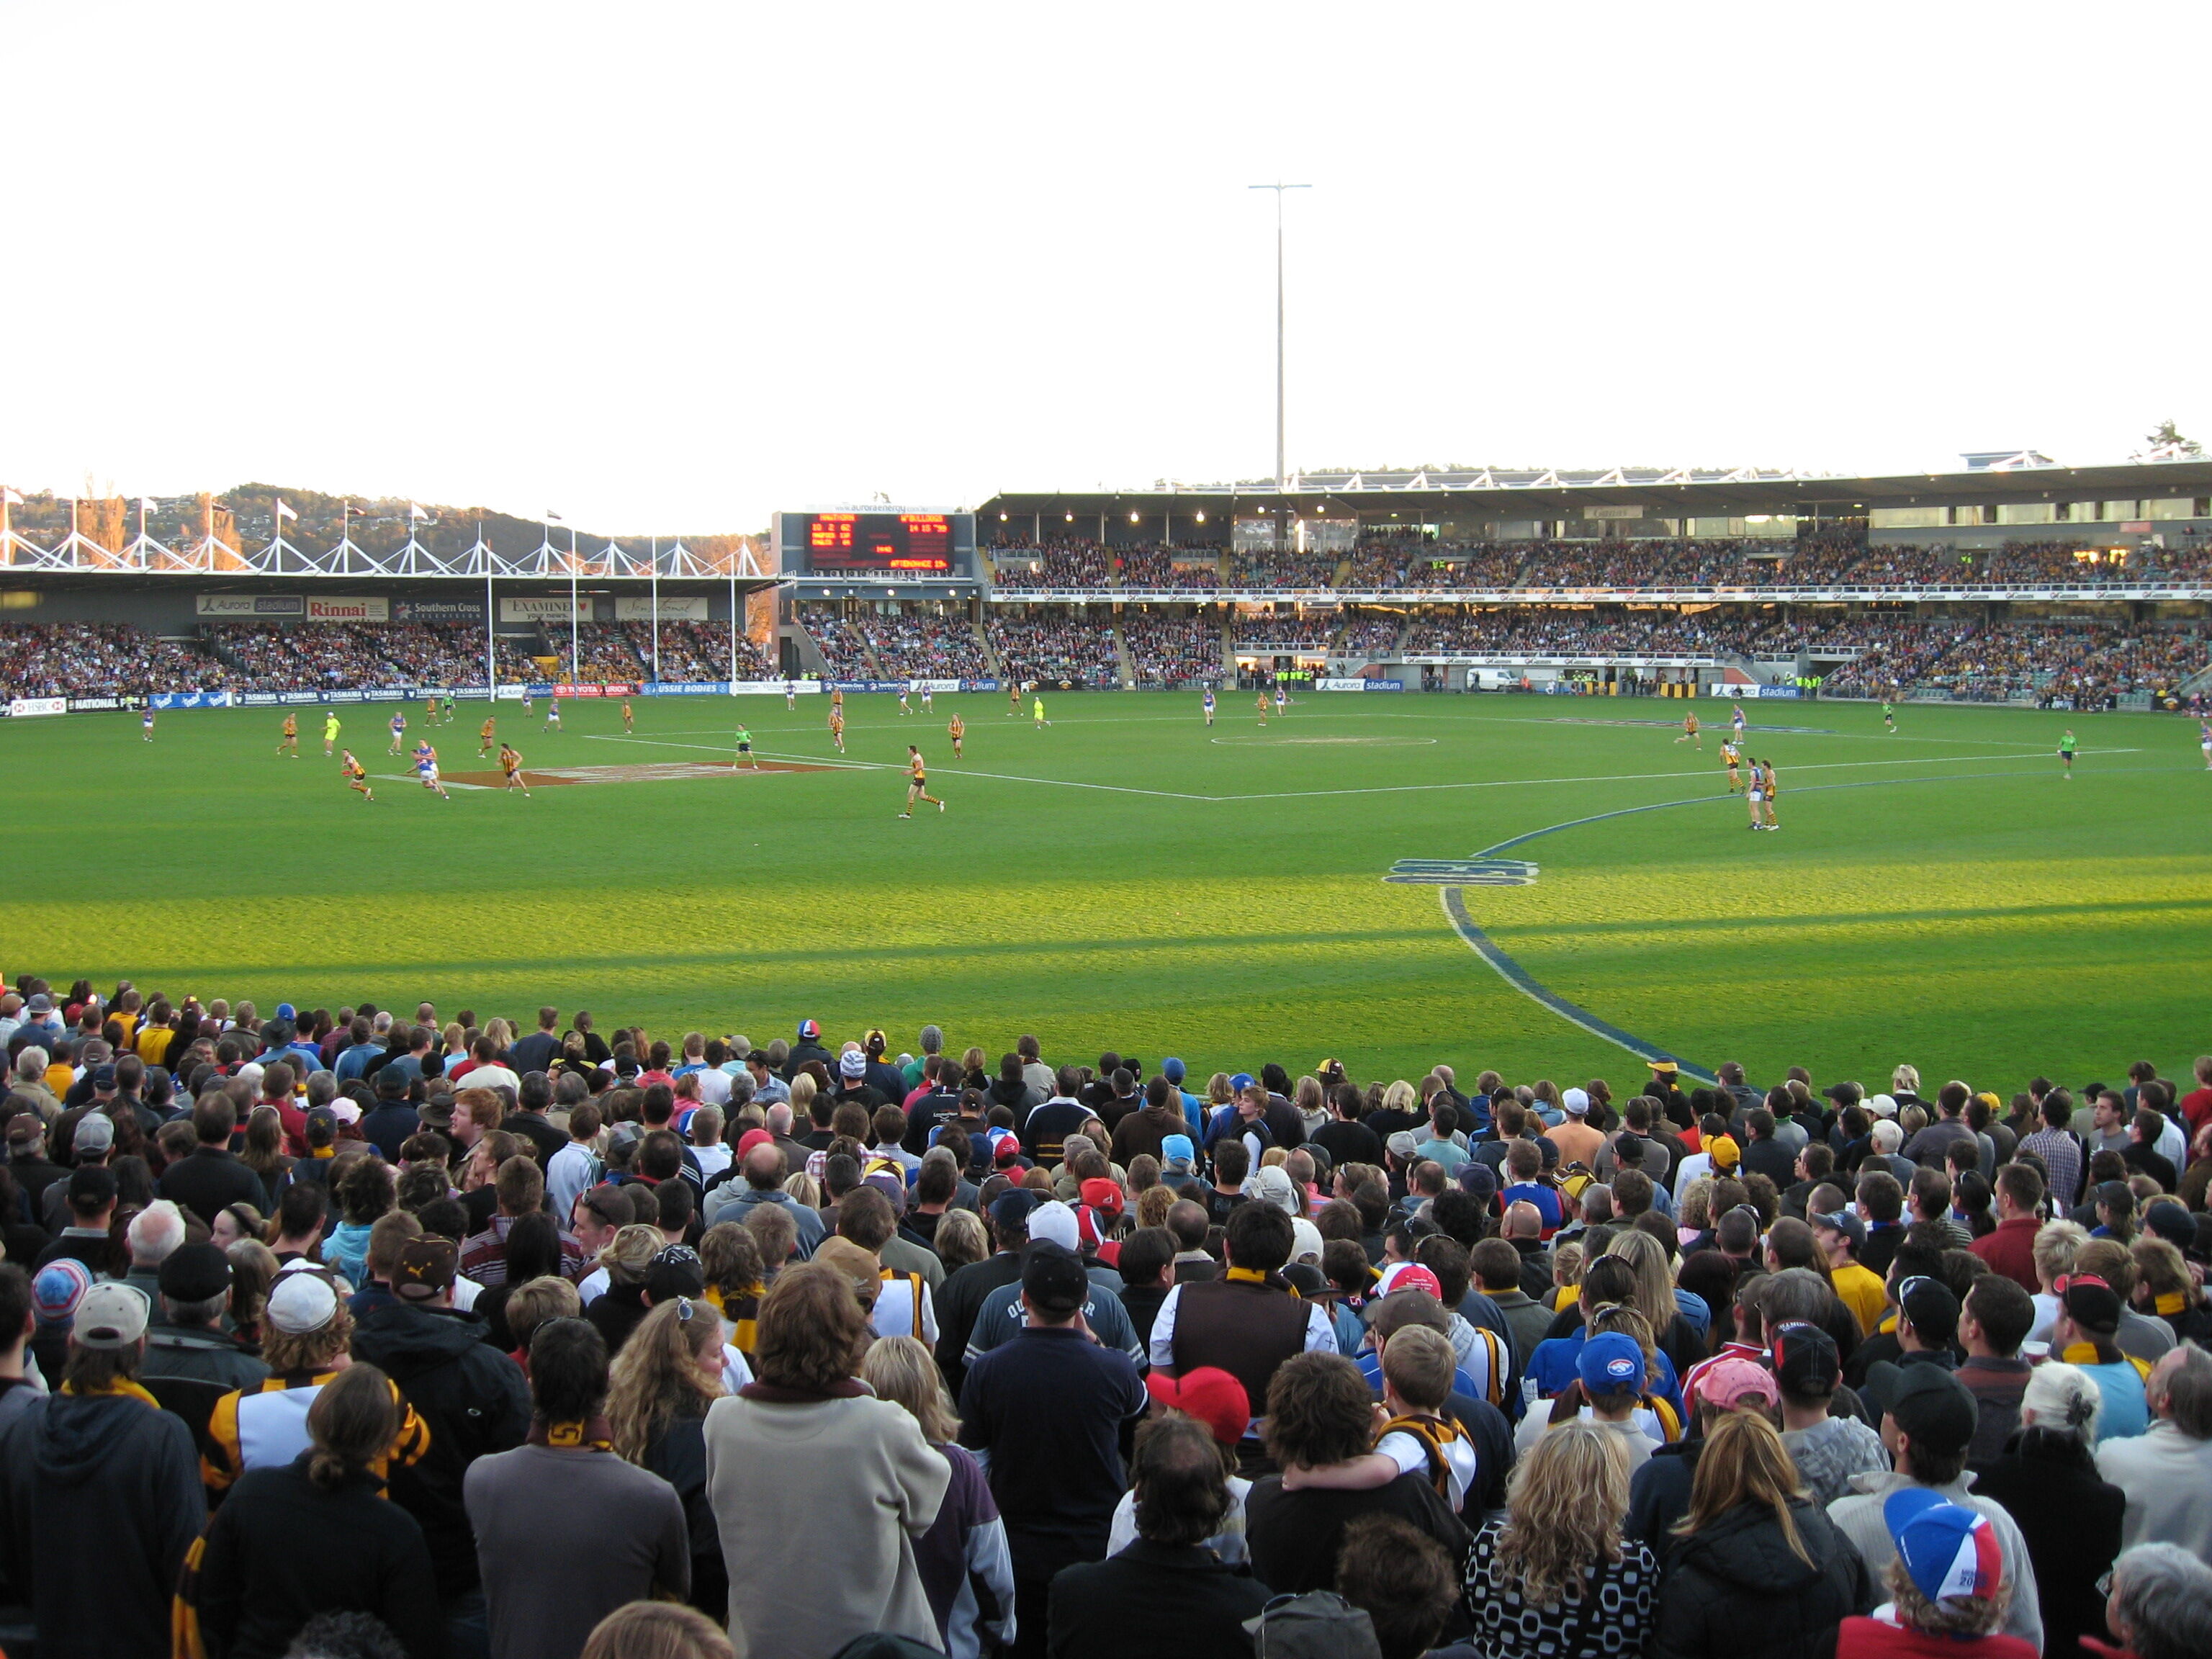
{"type": "Point", "coordinates": [1254, 1276]}
{"type": "Point", "coordinates": [2172, 1302]}
{"type": "Point", "coordinates": [118, 1389]}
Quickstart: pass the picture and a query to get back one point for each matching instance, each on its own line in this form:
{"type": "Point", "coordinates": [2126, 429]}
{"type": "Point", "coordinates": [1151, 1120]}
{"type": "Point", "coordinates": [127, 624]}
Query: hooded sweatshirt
{"type": "Point", "coordinates": [472, 1399]}
{"type": "Point", "coordinates": [100, 1499]}
{"type": "Point", "coordinates": [1734, 1588]}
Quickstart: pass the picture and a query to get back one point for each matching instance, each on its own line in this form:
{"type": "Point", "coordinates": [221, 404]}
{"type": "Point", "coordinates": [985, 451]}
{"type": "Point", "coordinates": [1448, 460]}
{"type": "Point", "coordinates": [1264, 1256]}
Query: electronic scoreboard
{"type": "Point", "coordinates": [906, 545]}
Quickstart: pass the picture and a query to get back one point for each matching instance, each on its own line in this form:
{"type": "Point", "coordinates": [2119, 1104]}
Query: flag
{"type": "Point", "coordinates": [148, 504]}
{"type": "Point", "coordinates": [10, 496]}
{"type": "Point", "coordinates": [416, 511]}
{"type": "Point", "coordinates": [284, 512]}
{"type": "Point", "coordinates": [555, 517]}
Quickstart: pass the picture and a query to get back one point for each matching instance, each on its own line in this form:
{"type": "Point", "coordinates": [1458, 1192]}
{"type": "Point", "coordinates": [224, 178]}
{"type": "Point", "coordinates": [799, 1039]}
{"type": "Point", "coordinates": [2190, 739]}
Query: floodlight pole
{"type": "Point", "coordinates": [1282, 472]}
{"type": "Point", "coordinates": [576, 630]}
{"type": "Point", "coordinates": [656, 610]}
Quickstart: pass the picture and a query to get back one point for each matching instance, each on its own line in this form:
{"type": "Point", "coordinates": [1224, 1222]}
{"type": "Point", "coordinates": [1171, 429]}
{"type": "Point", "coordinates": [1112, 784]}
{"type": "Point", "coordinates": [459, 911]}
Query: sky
{"type": "Point", "coordinates": [670, 269]}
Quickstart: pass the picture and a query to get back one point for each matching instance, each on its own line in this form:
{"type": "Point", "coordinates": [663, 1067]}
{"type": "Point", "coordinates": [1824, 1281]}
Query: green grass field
{"type": "Point", "coordinates": [1129, 878]}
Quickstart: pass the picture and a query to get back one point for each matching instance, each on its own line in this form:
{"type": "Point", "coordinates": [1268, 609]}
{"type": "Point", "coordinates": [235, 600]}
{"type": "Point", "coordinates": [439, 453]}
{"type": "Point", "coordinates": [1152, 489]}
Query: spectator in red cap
{"type": "Point", "coordinates": [1218, 1401]}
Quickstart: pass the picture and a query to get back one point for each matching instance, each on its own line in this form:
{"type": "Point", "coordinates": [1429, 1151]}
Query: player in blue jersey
{"type": "Point", "coordinates": [1209, 705]}
{"type": "Point", "coordinates": [426, 766]}
{"type": "Point", "coordinates": [398, 724]}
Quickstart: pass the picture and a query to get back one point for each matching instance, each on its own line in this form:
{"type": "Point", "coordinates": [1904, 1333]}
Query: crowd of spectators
{"type": "Point", "coordinates": [1067, 566]}
{"type": "Point", "coordinates": [1897, 655]}
{"type": "Point", "coordinates": [1171, 650]}
{"type": "Point", "coordinates": [368, 1332]}
{"type": "Point", "coordinates": [693, 652]}
{"type": "Point", "coordinates": [1159, 570]}
{"type": "Point", "coordinates": [843, 646]}
{"type": "Point", "coordinates": [1301, 630]}
{"type": "Point", "coordinates": [1370, 634]}
{"type": "Point", "coordinates": [1606, 630]}
{"type": "Point", "coordinates": [1054, 647]}
{"type": "Point", "coordinates": [1303, 573]}
{"type": "Point", "coordinates": [2084, 664]}
{"type": "Point", "coordinates": [99, 659]}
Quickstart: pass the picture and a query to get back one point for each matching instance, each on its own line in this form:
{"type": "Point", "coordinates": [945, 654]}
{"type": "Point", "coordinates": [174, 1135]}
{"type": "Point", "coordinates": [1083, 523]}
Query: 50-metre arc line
{"type": "Point", "coordinates": [1456, 912]}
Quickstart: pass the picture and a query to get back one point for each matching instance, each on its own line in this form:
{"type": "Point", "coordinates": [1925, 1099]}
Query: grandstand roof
{"type": "Point", "coordinates": [1679, 492]}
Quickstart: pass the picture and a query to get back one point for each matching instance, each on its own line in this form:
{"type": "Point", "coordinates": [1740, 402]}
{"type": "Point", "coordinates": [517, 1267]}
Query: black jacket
{"type": "Point", "coordinates": [679, 1457]}
{"type": "Point", "coordinates": [210, 1178]}
{"type": "Point", "coordinates": [387, 1125]}
{"type": "Point", "coordinates": [1187, 1603]}
{"type": "Point", "coordinates": [473, 1400]}
{"type": "Point", "coordinates": [2069, 1518]}
{"type": "Point", "coordinates": [1659, 1494]}
{"type": "Point", "coordinates": [100, 1499]}
{"type": "Point", "coordinates": [1735, 1589]}
{"type": "Point", "coordinates": [256, 1586]}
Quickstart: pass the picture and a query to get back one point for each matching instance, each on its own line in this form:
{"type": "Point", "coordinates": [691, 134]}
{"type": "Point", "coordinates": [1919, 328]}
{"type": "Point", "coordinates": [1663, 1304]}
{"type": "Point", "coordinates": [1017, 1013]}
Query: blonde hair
{"type": "Point", "coordinates": [1695, 1204]}
{"type": "Point", "coordinates": [1745, 1462]}
{"type": "Point", "coordinates": [1153, 1206]}
{"type": "Point", "coordinates": [2056, 1242]}
{"type": "Point", "coordinates": [901, 1369]}
{"type": "Point", "coordinates": [630, 1251]}
{"type": "Point", "coordinates": [656, 1378]}
{"type": "Point", "coordinates": [1566, 1500]}
{"type": "Point", "coordinates": [1400, 1097]}
{"type": "Point", "coordinates": [1417, 1364]}
{"type": "Point", "coordinates": [960, 1239]}
{"type": "Point", "coordinates": [1654, 1295]}
{"type": "Point", "coordinates": [803, 1090]}
{"type": "Point", "coordinates": [656, 1630]}
{"type": "Point", "coordinates": [804, 1189]}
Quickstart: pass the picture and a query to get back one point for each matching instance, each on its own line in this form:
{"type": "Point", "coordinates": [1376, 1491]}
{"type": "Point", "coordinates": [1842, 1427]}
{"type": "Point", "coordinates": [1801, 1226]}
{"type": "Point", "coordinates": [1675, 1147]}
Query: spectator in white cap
{"type": "Point", "coordinates": [100, 1494]}
{"type": "Point", "coordinates": [1577, 1142]}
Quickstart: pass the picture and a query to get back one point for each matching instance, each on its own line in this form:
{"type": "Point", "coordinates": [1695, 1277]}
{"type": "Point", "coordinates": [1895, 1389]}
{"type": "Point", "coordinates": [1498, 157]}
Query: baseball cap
{"type": "Point", "coordinates": [25, 1127]}
{"type": "Point", "coordinates": [1052, 1279]}
{"type": "Point", "coordinates": [848, 1258]}
{"type": "Point", "coordinates": [1610, 1363]}
{"type": "Point", "coordinates": [1929, 1403]}
{"type": "Point", "coordinates": [627, 1133]}
{"type": "Point", "coordinates": [1208, 1393]}
{"type": "Point", "coordinates": [110, 1316]}
{"type": "Point", "coordinates": [1171, 1069]}
{"type": "Point", "coordinates": [92, 1187]}
{"type": "Point", "coordinates": [1177, 1149]}
{"type": "Point", "coordinates": [675, 1272]}
{"type": "Point", "coordinates": [753, 1137]}
{"type": "Point", "coordinates": [1726, 1154]}
{"type": "Point", "coordinates": [427, 1266]}
{"type": "Point", "coordinates": [1272, 1184]}
{"type": "Point", "coordinates": [1948, 1551]}
{"type": "Point", "coordinates": [2168, 1218]}
{"type": "Point", "coordinates": [1807, 1363]}
{"type": "Point", "coordinates": [809, 1029]}
{"type": "Point", "coordinates": [892, 1185]}
{"type": "Point", "coordinates": [1409, 1276]}
{"type": "Point", "coordinates": [1241, 1082]}
{"type": "Point", "coordinates": [1933, 1308]}
{"type": "Point", "coordinates": [103, 1077]}
{"type": "Point", "coordinates": [1575, 1103]}
{"type": "Point", "coordinates": [194, 1272]}
{"type": "Point", "coordinates": [40, 1003]}
{"type": "Point", "coordinates": [2089, 1302]}
{"type": "Point", "coordinates": [95, 1133]}
{"type": "Point", "coordinates": [852, 1063]}
{"type": "Point", "coordinates": [303, 1302]}
{"type": "Point", "coordinates": [1844, 1222]}
{"type": "Point", "coordinates": [345, 1111]}
{"type": "Point", "coordinates": [1102, 1192]}
{"type": "Point", "coordinates": [1665, 1067]}
{"type": "Point", "coordinates": [1883, 1106]}
{"type": "Point", "coordinates": [1402, 1145]}
{"type": "Point", "coordinates": [286, 1010]}
{"type": "Point", "coordinates": [1728, 1382]}
{"type": "Point", "coordinates": [58, 1289]}
{"type": "Point", "coordinates": [1013, 1209]}
{"type": "Point", "coordinates": [391, 1080]}
{"type": "Point", "coordinates": [1052, 1221]}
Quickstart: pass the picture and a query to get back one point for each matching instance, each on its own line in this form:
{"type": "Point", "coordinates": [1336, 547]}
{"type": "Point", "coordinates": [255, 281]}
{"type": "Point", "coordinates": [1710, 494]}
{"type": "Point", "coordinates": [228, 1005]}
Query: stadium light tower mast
{"type": "Point", "coordinates": [1282, 473]}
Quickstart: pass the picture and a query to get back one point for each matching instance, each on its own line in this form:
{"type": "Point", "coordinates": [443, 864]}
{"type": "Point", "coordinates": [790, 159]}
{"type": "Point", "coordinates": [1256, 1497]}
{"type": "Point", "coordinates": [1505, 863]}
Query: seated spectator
{"type": "Point", "coordinates": [1190, 1603]}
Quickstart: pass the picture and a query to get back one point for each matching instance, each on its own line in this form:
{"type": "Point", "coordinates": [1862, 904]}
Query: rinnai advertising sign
{"type": "Point", "coordinates": [322, 609]}
{"type": "Point", "coordinates": [555, 609]}
{"type": "Point", "coordinates": [673, 607]}
{"type": "Point", "coordinates": [250, 605]}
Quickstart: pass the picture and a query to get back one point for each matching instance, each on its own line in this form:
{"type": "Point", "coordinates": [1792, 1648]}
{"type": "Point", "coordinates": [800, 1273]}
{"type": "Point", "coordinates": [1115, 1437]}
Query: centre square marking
{"type": "Point", "coordinates": [633, 772]}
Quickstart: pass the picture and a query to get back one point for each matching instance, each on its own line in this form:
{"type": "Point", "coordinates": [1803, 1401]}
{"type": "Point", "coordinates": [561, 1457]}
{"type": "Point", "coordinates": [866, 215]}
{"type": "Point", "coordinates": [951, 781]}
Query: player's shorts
{"type": "Point", "coordinates": [1757, 796]}
{"type": "Point", "coordinates": [428, 774]}
{"type": "Point", "coordinates": [744, 749]}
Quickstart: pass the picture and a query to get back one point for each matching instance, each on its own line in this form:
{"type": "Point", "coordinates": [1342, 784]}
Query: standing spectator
{"type": "Point", "coordinates": [1758, 1570]}
{"type": "Point", "coordinates": [250, 1585]}
{"type": "Point", "coordinates": [2166, 1471]}
{"type": "Point", "coordinates": [1928, 1421]}
{"type": "Point", "coordinates": [2059, 1148]}
{"type": "Point", "coordinates": [1828, 1449]}
{"type": "Point", "coordinates": [806, 1454]}
{"type": "Point", "coordinates": [2161, 1603]}
{"type": "Point", "coordinates": [1557, 1576]}
{"type": "Point", "coordinates": [1180, 1593]}
{"type": "Point", "coordinates": [2048, 1482]}
{"type": "Point", "coordinates": [100, 1494]}
{"type": "Point", "coordinates": [2010, 1249]}
{"type": "Point", "coordinates": [1046, 1410]}
{"type": "Point", "coordinates": [1948, 1591]}
{"type": "Point", "coordinates": [2084, 1334]}
{"type": "Point", "coordinates": [542, 1596]}
{"type": "Point", "coordinates": [211, 1176]}
{"type": "Point", "coordinates": [470, 1398]}
{"type": "Point", "coordinates": [1993, 1322]}
{"type": "Point", "coordinates": [1321, 1419]}
{"type": "Point", "coordinates": [664, 1378]}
